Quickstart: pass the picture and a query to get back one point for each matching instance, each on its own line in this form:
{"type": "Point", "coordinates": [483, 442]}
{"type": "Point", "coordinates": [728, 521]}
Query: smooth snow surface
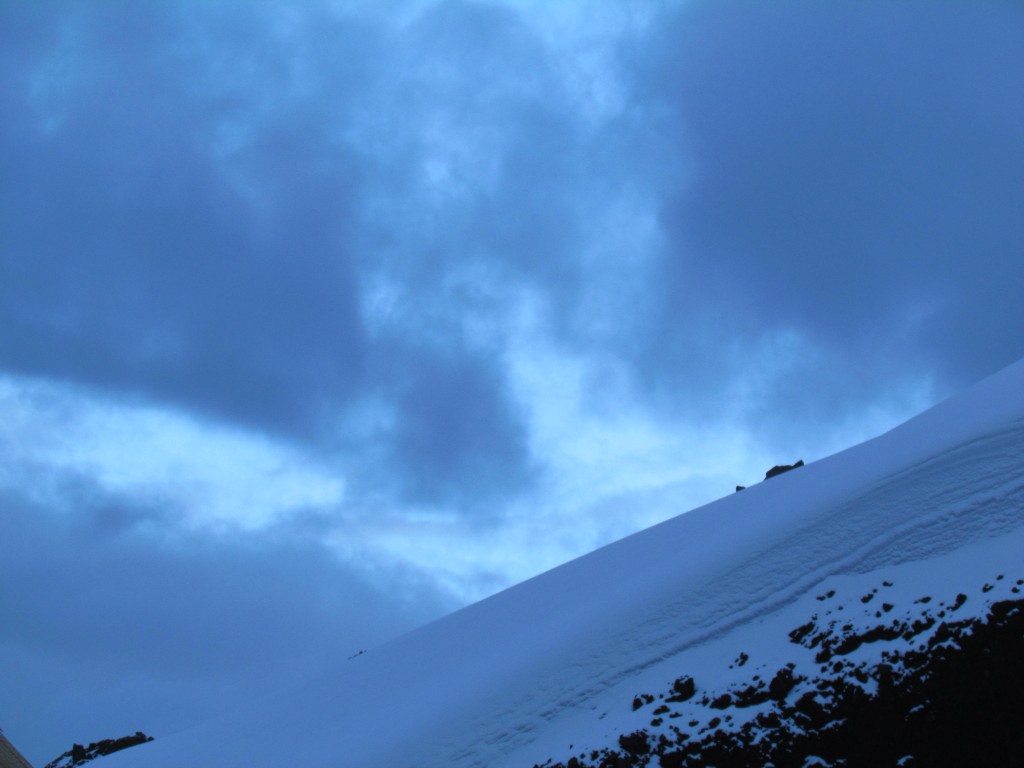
{"type": "Point", "coordinates": [556, 661]}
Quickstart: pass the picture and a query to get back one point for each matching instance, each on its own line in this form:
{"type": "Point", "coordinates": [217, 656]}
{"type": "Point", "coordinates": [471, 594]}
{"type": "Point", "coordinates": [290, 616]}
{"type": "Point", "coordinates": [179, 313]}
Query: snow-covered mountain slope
{"type": "Point", "coordinates": [886, 550]}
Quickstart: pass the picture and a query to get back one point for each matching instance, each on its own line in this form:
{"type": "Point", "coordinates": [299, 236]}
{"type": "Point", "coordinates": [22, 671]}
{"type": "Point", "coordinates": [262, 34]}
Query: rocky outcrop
{"type": "Point", "coordinates": [78, 754]}
{"type": "Point", "coordinates": [778, 469]}
{"type": "Point", "coordinates": [955, 698]}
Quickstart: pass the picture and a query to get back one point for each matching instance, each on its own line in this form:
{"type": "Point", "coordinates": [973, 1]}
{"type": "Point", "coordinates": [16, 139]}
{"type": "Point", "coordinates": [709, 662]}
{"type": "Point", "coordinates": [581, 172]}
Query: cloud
{"type": "Point", "coordinates": [132, 262]}
{"type": "Point", "coordinates": [282, 218]}
{"type": "Point", "coordinates": [856, 173]}
{"type": "Point", "coordinates": [380, 245]}
{"type": "Point", "coordinates": [193, 220]}
{"type": "Point", "coordinates": [322, 224]}
{"type": "Point", "coordinates": [211, 476]}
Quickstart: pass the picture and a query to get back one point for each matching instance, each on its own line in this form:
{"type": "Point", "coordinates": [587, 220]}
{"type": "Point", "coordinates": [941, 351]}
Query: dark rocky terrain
{"type": "Point", "coordinates": [946, 693]}
{"type": "Point", "coordinates": [79, 755]}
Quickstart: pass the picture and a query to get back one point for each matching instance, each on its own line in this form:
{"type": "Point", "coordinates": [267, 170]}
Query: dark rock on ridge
{"type": "Point", "coordinates": [778, 469]}
{"type": "Point", "coordinates": [78, 754]}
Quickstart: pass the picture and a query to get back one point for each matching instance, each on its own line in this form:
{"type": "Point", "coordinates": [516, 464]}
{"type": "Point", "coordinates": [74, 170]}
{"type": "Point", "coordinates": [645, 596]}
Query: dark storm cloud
{"type": "Point", "coordinates": [483, 112]}
{"type": "Point", "coordinates": [130, 261]}
{"type": "Point", "coordinates": [455, 433]}
{"type": "Point", "coordinates": [122, 630]}
{"type": "Point", "coordinates": [199, 204]}
{"type": "Point", "coordinates": [184, 212]}
{"type": "Point", "coordinates": [857, 176]}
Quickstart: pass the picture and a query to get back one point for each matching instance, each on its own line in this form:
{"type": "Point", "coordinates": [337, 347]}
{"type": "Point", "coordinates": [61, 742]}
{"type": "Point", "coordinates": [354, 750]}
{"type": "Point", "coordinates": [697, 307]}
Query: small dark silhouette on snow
{"type": "Point", "coordinates": [778, 469]}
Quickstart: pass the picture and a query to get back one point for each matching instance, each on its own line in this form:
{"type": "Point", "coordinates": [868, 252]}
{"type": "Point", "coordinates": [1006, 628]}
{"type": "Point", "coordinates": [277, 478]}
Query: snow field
{"type": "Point", "coordinates": [515, 679]}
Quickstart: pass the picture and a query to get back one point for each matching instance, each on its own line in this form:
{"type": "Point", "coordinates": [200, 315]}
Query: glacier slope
{"type": "Point", "coordinates": [514, 679]}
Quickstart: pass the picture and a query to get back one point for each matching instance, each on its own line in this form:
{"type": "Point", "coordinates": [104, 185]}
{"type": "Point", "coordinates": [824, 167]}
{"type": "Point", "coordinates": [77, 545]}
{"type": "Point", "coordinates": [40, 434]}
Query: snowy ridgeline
{"type": "Point", "coordinates": [862, 610]}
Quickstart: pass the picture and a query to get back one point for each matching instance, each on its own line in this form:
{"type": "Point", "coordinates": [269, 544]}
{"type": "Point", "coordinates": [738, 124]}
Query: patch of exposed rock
{"type": "Point", "coordinates": [78, 754]}
{"type": "Point", "coordinates": [956, 699]}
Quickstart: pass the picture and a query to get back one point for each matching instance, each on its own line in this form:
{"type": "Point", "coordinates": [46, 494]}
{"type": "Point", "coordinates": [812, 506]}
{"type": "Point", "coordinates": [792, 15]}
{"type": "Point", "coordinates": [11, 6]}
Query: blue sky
{"type": "Point", "coordinates": [319, 320]}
